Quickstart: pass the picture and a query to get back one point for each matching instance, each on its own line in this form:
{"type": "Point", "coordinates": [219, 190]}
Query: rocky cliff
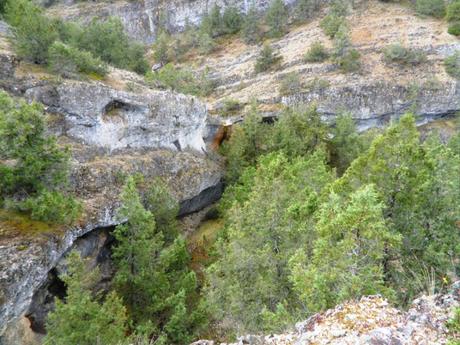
{"type": "Point", "coordinates": [375, 94]}
{"type": "Point", "coordinates": [112, 133]}
{"type": "Point", "coordinates": [142, 18]}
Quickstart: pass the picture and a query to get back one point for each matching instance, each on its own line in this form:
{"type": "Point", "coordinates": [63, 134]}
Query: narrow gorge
{"type": "Point", "coordinates": [127, 124]}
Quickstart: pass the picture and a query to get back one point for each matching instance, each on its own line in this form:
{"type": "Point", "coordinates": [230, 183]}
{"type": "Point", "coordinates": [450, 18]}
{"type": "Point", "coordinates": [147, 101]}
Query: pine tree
{"type": "Point", "coordinates": [348, 254]}
{"type": "Point", "coordinates": [81, 319]}
{"type": "Point", "coordinates": [418, 205]}
{"type": "Point", "coordinates": [250, 28]}
{"type": "Point", "coordinates": [152, 276]}
{"type": "Point", "coordinates": [249, 280]}
{"type": "Point", "coordinates": [276, 18]}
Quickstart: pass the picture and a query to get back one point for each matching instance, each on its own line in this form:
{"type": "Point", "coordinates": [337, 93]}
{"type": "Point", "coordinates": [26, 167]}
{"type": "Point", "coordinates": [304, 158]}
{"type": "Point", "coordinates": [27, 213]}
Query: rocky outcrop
{"type": "Point", "coordinates": [375, 104]}
{"type": "Point", "coordinates": [370, 321]}
{"type": "Point", "coordinates": [100, 116]}
{"type": "Point", "coordinates": [141, 19]}
{"type": "Point", "coordinates": [374, 94]}
{"type": "Point", "coordinates": [111, 133]}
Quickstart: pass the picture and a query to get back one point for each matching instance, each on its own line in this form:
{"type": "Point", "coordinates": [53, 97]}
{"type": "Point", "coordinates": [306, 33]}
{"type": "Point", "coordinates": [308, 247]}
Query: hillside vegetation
{"type": "Point", "coordinates": [315, 213]}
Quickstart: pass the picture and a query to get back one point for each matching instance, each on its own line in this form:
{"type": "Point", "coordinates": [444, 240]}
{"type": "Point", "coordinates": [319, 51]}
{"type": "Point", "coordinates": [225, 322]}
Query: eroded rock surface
{"type": "Point", "coordinates": [369, 321]}
{"type": "Point", "coordinates": [141, 19]}
{"type": "Point", "coordinates": [112, 133]}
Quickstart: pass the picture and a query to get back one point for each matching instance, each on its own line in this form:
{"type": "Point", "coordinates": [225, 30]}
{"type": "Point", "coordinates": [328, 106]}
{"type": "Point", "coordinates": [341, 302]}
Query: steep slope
{"type": "Point", "coordinates": [112, 133]}
{"type": "Point", "coordinates": [374, 94]}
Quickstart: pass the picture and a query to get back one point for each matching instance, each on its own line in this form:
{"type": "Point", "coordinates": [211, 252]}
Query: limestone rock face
{"type": "Point", "coordinates": [101, 116]}
{"type": "Point", "coordinates": [141, 18]}
{"type": "Point", "coordinates": [112, 133]}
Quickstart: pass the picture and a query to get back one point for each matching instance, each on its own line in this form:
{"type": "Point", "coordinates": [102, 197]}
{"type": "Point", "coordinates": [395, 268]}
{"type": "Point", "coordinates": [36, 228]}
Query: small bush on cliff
{"type": "Point", "coordinates": [34, 33]}
{"type": "Point", "coordinates": [345, 56]}
{"type": "Point", "coordinates": [108, 41]}
{"type": "Point", "coordinates": [316, 53]}
{"type": "Point", "coordinates": [231, 20]}
{"type": "Point", "coordinates": [35, 177]}
{"type": "Point", "coordinates": [452, 65]}
{"type": "Point", "coordinates": [182, 80]}
{"type": "Point", "coordinates": [335, 18]}
{"type": "Point", "coordinates": [435, 8]}
{"type": "Point", "coordinates": [453, 11]}
{"type": "Point", "coordinates": [250, 30]}
{"type": "Point", "coordinates": [453, 17]}
{"type": "Point", "coordinates": [82, 319]}
{"type": "Point", "coordinates": [267, 59]}
{"type": "Point", "coordinates": [276, 18]}
{"type": "Point", "coordinates": [396, 53]}
{"type": "Point", "coordinates": [290, 84]}
{"type": "Point", "coordinates": [305, 9]}
{"type": "Point", "coordinates": [69, 61]}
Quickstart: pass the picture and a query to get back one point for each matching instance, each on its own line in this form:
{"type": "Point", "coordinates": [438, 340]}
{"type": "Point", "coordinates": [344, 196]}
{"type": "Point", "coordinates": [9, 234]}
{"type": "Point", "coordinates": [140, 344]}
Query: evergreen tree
{"type": "Point", "coordinates": [161, 48]}
{"type": "Point", "coordinates": [348, 254]}
{"type": "Point", "coordinates": [346, 144]}
{"type": "Point", "coordinates": [231, 20]}
{"type": "Point", "coordinates": [248, 284]}
{"type": "Point", "coordinates": [299, 131]}
{"type": "Point", "coordinates": [38, 176]}
{"type": "Point", "coordinates": [81, 319]}
{"type": "Point", "coordinates": [305, 8]}
{"type": "Point", "coordinates": [250, 30]}
{"type": "Point", "coordinates": [34, 32]}
{"type": "Point", "coordinates": [246, 144]}
{"type": "Point", "coordinates": [276, 18]}
{"type": "Point", "coordinates": [267, 59]}
{"type": "Point", "coordinates": [418, 205]}
{"type": "Point", "coordinates": [153, 277]}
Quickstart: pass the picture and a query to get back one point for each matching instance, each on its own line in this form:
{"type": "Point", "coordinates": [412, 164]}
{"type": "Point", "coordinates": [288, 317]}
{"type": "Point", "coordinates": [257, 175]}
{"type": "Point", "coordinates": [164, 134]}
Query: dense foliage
{"type": "Point", "coordinates": [153, 278]}
{"type": "Point", "coordinates": [33, 168]}
{"type": "Point", "coordinates": [81, 318]}
{"type": "Point", "coordinates": [37, 39]}
{"type": "Point", "coordinates": [298, 239]}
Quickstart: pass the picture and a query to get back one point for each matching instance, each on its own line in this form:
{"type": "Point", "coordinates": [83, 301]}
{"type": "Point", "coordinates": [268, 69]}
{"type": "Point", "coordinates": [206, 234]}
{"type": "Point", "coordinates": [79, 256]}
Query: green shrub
{"type": "Point", "coordinates": [331, 24]}
{"type": "Point", "coordinates": [344, 55]}
{"type": "Point", "coordinates": [216, 21]}
{"type": "Point", "coordinates": [36, 180]}
{"type": "Point", "coordinates": [205, 43]}
{"type": "Point", "coordinates": [454, 327]}
{"type": "Point", "coordinates": [231, 20]}
{"type": "Point", "coordinates": [49, 206]}
{"type": "Point", "coordinates": [250, 30]}
{"type": "Point", "coordinates": [435, 8]}
{"type": "Point", "coordinates": [316, 53]}
{"type": "Point", "coordinates": [267, 59]}
{"type": "Point", "coordinates": [276, 18]}
{"type": "Point", "coordinates": [396, 53]}
{"type": "Point", "coordinates": [182, 80]}
{"type": "Point", "coordinates": [68, 61]}
{"type": "Point", "coordinates": [2, 6]}
{"type": "Point", "coordinates": [453, 11]}
{"type": "Point", "coordinates": [290, 84]}
{"type": "Point", "coordinates": [161, 52]}
{"type": "Point", "coordinates": [454, 28]}
{"type": "Point", "coordinates": [349, 61]}
{"type": "Point", "coordinates": [33, 31]}
{"type": "Point", "coordinates": [452, 65]}
{"type": "Point", "coordinates": [305, 8]}
{"type": "Point", "coordinates": [108, 41]}
{"type": "Point", "coordinates": [230, 106]}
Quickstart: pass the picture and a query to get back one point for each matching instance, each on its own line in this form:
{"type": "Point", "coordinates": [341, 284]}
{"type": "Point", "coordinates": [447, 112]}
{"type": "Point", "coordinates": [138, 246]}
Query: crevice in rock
{"type": "Point", "coordinates": [207, 197]}
{"type": "Point", "coordinates": [95, 246]}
